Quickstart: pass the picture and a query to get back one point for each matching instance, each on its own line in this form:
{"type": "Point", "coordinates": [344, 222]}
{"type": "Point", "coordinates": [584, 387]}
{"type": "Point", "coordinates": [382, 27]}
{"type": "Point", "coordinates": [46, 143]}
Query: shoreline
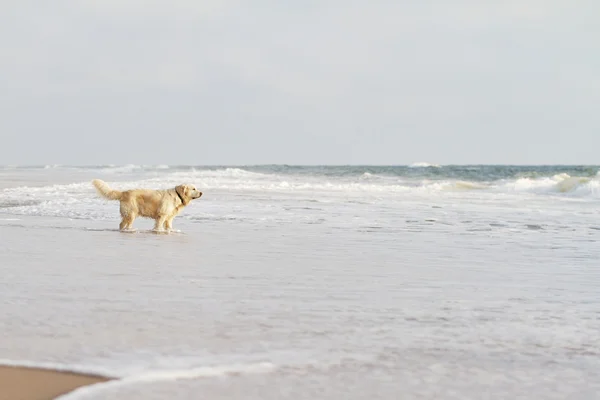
{"type": "Point", "coordinates": [35, 383]}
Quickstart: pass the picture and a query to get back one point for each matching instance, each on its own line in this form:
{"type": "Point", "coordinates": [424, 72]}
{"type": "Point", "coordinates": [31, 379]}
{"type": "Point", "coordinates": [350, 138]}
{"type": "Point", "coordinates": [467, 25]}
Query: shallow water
{"type": "Point", "coordinates": [310, 284]}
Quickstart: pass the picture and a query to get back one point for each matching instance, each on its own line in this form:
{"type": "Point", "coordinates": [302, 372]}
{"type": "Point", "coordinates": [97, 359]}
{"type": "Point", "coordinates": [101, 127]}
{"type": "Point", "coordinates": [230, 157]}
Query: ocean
{"type": "Point", "coordinates": [322, 282]}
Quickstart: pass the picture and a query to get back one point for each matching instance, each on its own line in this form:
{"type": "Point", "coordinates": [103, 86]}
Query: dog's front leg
{"type": "Point", "coordinates": [159, 223]}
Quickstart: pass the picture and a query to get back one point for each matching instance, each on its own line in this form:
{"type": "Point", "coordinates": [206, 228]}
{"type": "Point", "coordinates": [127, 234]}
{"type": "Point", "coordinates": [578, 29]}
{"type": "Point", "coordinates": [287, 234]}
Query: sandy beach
{"type": "Point", "coordinates": [19, 383]}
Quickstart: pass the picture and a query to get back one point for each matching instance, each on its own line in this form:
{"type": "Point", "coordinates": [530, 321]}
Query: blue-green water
{"type": "Point", "coordinates": [478, 173]}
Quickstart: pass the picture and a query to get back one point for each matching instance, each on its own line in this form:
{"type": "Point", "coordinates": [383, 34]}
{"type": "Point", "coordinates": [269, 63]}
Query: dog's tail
{"type": "Point", "coordinates": [105, 191]}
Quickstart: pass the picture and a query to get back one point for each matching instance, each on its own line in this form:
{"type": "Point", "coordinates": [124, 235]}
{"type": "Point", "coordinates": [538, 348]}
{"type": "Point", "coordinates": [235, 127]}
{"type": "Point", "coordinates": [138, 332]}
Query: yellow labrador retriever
{"type": "Point", "coordinates": [160, 205]}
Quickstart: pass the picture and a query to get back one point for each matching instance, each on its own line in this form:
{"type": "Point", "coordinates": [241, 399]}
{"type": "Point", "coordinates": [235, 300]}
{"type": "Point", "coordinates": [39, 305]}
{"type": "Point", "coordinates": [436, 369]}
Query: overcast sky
{"type": "Point", "coordinates": [305, 82]}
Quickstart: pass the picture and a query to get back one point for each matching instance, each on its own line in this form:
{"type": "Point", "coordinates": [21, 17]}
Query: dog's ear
{"type": "Point", "coordinates": [183, 192]}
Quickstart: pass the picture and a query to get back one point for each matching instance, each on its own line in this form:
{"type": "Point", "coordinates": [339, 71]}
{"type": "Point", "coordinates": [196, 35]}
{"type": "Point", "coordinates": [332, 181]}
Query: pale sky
{"type": "Point", "coordinates": [209, 82]}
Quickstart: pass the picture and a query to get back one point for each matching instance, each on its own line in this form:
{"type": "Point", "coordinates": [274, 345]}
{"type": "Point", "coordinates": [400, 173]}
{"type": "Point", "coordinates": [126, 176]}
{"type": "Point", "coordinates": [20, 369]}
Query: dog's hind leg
{"type": "Point", "coordinates": [127, 217]}
{"type": "Point", "coordinates": [126, 222]}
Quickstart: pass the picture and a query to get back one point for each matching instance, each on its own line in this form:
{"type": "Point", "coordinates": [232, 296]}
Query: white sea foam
{"type": "Point", "coordinates": [168, 375]}
{"type": "Point", "coordinates": [121, 169]}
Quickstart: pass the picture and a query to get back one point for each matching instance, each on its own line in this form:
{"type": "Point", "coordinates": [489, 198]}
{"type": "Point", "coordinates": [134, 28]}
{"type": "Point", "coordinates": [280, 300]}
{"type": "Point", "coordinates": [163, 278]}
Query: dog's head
{"type": "Point", "coordinates": [188, 193]}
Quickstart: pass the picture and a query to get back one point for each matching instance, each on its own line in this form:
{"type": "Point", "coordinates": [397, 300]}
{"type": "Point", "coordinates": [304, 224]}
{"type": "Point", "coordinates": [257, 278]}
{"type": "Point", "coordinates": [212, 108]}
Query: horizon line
{"type": "Point", "coordinates": [424, 165]}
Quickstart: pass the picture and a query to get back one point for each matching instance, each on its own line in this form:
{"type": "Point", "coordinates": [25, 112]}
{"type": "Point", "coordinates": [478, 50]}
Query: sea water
{"type": "Point", "coordinates": [333, 282]}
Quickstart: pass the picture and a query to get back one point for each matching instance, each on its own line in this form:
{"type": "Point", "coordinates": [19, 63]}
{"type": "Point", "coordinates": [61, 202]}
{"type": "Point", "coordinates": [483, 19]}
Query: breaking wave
{"type": "Point", "coordinates": [79, 200]}
{"type": "Point", "coordinates": [560, 183]}
{"type": "Point", "coordinates": [424, 165]}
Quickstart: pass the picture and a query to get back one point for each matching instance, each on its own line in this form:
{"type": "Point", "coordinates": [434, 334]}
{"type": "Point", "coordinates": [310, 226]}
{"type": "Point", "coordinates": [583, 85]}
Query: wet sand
{"type": "Point", "coordinates": [19, 383]}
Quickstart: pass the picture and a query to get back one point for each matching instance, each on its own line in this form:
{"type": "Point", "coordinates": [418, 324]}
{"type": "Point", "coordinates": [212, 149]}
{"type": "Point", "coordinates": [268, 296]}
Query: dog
{"type": "Point", "coordinates": [160, 205]}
